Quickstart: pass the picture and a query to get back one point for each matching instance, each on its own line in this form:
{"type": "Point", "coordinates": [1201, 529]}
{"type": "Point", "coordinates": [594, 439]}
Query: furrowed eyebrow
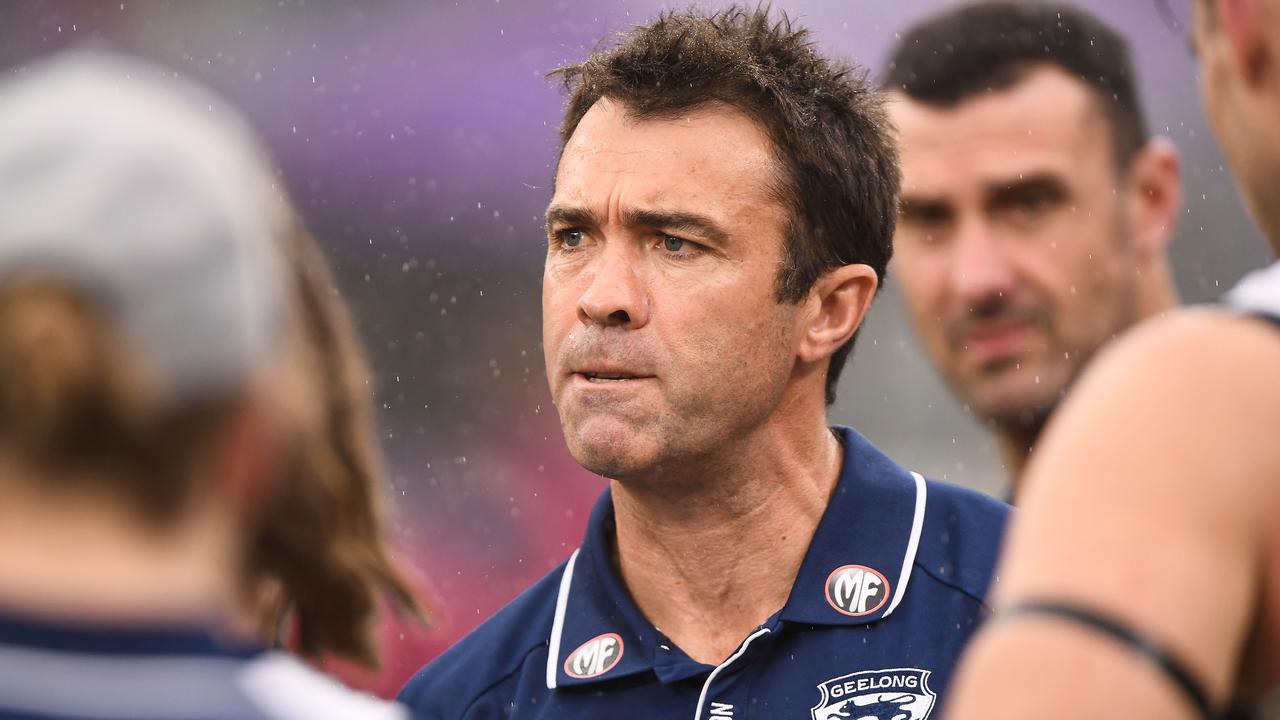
{"type": "Point", "coordinates": [1046, 185]}
{"type": "Point", "coordinates": [909, 207]}
{"type": "Point", "coordinates": [568, 215]}
{"type": "Point", "coordinates": [676, 221]}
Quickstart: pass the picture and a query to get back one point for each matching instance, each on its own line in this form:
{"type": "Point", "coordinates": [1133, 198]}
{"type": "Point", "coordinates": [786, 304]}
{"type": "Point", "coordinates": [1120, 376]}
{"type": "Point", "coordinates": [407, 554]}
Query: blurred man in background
{"type": "Point", "coordinates": [722, 217]}
{"type": "Point", "coordinates": [1142, 579]}
{"type": "Point", "coordinates": [179, 465]}
{"type": "Point", "coordinates": [1035, 209]}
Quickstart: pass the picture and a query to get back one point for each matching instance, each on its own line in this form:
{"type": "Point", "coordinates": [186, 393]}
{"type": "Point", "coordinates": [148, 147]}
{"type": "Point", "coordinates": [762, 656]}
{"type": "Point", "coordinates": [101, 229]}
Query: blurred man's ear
{"type": "Point", "coordinates": [261, 438]}
{"type": "Point", "coordinates": [248, 453]}
{"type": "Point", "coordinates": [1155, 200]}
{"type": "Point", "coordinates": [835, 308]}
{"type": "Point", "coordinates": [1245, 24]}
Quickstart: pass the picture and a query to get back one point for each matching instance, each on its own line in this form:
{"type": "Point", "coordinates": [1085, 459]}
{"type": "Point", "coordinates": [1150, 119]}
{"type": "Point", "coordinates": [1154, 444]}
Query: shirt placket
{"type": "Point", "coordinates": [716, 702]}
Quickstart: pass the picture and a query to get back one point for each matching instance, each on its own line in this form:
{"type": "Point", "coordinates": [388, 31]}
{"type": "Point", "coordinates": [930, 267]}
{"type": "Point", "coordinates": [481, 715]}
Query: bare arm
{"type": "Point", "coordinates": [1148, 501]}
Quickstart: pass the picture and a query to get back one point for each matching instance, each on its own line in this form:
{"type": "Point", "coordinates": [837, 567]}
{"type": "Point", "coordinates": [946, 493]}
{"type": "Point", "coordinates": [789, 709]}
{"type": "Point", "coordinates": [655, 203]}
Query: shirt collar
{"type": "Point", "coordinates": [598, 632]}
{"type": "Point", "coordinates": [35, 633]}
{"type": "Point", "coordinates": [859, 562]}
{"type": "Point", "coordinates": [855, 571]}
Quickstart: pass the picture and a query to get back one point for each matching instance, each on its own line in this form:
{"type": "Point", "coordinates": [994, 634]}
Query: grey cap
{"type": "Point", "coordinates": [149, 195]}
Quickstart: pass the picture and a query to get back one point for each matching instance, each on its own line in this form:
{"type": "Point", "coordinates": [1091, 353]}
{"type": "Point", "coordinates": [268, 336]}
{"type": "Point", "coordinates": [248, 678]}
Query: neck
{"type": "Point", "coordinates": [1156, 292]}
{"type": "Point", "coordinates": [711, 563]}
{"type": "Point", "coordinates": [91, 558]}
{"type": "Point", "coordinates": [1016, 445]}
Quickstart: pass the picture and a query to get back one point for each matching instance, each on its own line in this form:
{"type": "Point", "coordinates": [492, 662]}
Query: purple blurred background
{"type": "Point", "coordinates": [418, 140]}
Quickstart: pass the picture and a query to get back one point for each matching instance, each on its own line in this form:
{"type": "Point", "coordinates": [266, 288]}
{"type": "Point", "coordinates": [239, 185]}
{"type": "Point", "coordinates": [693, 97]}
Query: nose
{"type": "Point", "coordinates": [981, 267]}
{"type": "Point", "coordinates": [616, 295]}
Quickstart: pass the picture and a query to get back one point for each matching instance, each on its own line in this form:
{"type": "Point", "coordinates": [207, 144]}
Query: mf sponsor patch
{"type": "Point", "coordinates": [897, 694]}
{"type": "Point", "coordinates": [857, 590]}
{"type": "Point", "coordinates": [595, 657]}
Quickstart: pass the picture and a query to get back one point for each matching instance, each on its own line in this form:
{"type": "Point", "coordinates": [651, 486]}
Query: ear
{"type": "Point", "coordinates": [1244, 24]}
{"type": "Point", "coordinates": [247, 456]}
{"type": "Point", "coordinates": [838, 301]}
{"type": "Point", "coordinates": [1155, 196]}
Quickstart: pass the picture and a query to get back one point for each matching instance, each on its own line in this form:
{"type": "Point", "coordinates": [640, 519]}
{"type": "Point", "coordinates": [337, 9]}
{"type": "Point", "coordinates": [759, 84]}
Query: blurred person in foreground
{"type": "Point", "coordinates": [344, 593]}
{"type": "Point", "coordinates": [722, 216]}
{"type": "Point", "coordinates": [1035, 208]}
{"type": "Point", "coordinates": [1142, 580]}
{"type": "Point", "coordinates": [179, 463]}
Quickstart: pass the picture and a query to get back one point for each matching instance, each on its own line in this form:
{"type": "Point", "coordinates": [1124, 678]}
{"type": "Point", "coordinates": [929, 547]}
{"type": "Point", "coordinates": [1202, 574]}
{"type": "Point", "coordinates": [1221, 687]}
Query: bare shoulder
{"type": "Point", "coordinates": [1162, 466]}
{"type": "Point", "coordinates": [1178, 420]}
{"type": "Point", "coordinates": [1190, 346]}
{"type": "Point", "coordinates": [1196, 389]}
{"type": "Point", "coordinates": [1209, 331]}
{"type": "Point", "coordinates": [1149, 501]}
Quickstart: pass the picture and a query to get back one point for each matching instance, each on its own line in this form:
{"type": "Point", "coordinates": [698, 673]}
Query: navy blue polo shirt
{"type": "Point", "coordinates": [889, 591]}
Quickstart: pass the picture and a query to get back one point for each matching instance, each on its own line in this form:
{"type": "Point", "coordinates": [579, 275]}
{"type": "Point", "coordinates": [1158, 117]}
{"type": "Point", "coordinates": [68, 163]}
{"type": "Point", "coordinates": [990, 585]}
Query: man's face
{"type": "Point", "coordinates": [1231, 117]}
{"type": "Point", "coordinates": [662, 334]}
{"type": "Point", "coordinates": [1012, 247]}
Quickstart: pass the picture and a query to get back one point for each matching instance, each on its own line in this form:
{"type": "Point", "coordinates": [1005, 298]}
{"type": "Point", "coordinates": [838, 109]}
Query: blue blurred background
{"type": "Point", "coordinates": [418, 140]}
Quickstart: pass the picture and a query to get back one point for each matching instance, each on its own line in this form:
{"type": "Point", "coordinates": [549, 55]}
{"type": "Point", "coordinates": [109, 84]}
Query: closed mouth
{"type": "Point", "coordinates": [995, 330]}
{"type": "Point", "coordinates": [962, 333]}
{"type": "Point", "coordinates": [607, 377]}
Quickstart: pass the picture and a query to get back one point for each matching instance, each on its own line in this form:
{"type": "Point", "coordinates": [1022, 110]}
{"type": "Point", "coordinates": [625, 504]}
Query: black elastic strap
{"type": "Point", "coordinates": [1150, 651]}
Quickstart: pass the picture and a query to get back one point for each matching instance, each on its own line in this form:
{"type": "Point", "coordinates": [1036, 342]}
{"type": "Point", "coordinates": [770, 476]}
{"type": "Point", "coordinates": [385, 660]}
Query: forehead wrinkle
{"type": "Point", "coordinates": [681, 178]}
{"type": "Point", "coordinates": [674, 219]}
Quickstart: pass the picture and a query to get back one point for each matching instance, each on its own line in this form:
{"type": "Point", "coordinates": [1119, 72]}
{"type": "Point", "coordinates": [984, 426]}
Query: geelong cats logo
{"type": "Point", "coordinates": [897, 694]}
{"type": "Point", "coordinates": [596, 656]}
{"type": "Point", "coordinates": [857, 590]}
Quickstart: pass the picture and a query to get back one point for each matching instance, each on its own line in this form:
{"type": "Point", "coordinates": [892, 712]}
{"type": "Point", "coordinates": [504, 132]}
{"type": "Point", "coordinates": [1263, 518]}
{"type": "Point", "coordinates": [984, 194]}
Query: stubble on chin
{"type": "Point", "coordinates": [602, 445]}
{"type": "Point", "coordinates": [1021, 411]}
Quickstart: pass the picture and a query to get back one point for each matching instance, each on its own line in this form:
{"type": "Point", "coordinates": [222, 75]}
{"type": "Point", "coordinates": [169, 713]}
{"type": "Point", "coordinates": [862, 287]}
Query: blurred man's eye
{"type": "Point", "coordinates": [925, 214]}
{"type": "Point", "coordinates": [1030, 201]}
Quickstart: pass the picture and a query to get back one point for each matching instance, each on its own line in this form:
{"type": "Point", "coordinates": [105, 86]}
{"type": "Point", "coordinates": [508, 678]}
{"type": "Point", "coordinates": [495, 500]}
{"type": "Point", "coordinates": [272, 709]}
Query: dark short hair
{"type": "Point", "coordinates": [837, 161]}
{"type": "Point", "coordinates": [990, 46]}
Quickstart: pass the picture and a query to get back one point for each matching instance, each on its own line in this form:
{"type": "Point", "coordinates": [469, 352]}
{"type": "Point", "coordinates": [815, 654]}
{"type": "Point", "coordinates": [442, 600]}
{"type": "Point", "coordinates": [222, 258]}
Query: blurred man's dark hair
{"type": "Point", "coordinates": [990, 46]}
{"type": "Point", "coordinates": [837, 161]}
